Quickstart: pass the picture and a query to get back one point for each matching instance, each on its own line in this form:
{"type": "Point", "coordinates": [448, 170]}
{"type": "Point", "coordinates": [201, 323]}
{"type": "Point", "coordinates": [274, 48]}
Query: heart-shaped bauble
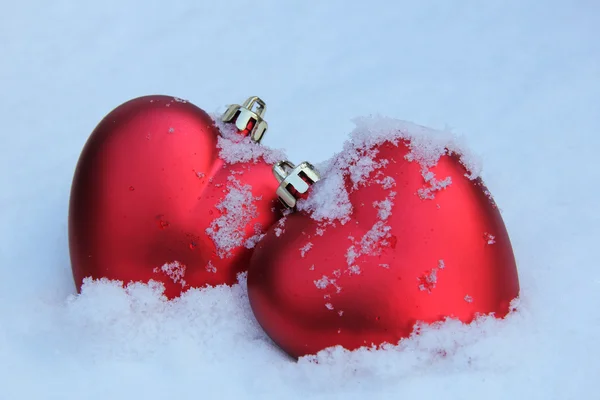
{"type": "Point", "coordinates": [397, 232]}
{"type": "Point", "coordinates": [152, 199]}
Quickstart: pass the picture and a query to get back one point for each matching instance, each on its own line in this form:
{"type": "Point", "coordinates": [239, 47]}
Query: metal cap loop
{"type": "Point", "coordinates": [294, 181]}
{"type": "Point", "coordinates": [248, 117]}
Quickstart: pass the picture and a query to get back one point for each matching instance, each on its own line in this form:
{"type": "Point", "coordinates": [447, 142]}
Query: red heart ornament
{"type": "Point", "coordinates": [398, 232]}
{"type": "Point", "coordinates": [152, 199]}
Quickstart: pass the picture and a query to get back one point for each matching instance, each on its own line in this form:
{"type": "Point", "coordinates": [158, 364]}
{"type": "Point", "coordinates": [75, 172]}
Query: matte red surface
{"type": "Point", "coordinates": [145, 190]}
{"type": "Point", "coordinates": [383, 304]}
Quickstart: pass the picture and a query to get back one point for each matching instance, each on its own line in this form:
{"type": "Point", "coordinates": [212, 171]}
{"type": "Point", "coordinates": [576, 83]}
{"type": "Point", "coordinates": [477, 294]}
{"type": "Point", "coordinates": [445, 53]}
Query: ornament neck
{"type": "Point", "coordinates": [248, 118]}
{"type": "Point", "coordinates": [294, 181]}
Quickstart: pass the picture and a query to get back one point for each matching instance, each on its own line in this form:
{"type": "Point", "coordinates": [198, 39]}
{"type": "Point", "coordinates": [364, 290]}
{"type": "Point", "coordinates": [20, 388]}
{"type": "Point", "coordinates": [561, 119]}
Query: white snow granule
{"type": "Point", "coordinates": [323, 282]}
{"type": "Point", "coordinates": [468, 299]}
{"type": "Point", "coordinates": [280, 226]}
{"type": "Point", "coordinates": [258, 235]}
{"type": "Point", "coordinates": [305, 249]}
{"type": "Point", "coordinates": [237, 210]}
{"type": "Point", "coordinates": [385, 206]}
{"type": "Point", "coordinates": [428, 281]}
{"type": "Point", "coordinates": [210, 267]}
{"type": "Point", "coordinates": [387, 183]}
{"type": "Point", "coordinates": [174, 270]}
{"type": "Point", "coordinates": [354, 270]}
{"type": "Point", "coordinates": [490, 239]}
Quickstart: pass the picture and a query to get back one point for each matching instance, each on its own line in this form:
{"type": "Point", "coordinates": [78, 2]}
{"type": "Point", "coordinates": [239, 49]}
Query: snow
{"type": "Point", "coordinates": [234, 148]}
{"type": "Point", "coordinates": [428, 281]}
{"type": "Point", "coordinates": [385, 206]}
{"type": "Point", "coordinates": [237, 210]}
{"type": "Point", "coordinates": [174, 270]}
{"type": "Point", "coordinates": [280, 226]}
{"type": "Point", "coordinates": [304, 249]}
{"type": "Point", "coordinates": [491, 239]}
{"type": "Point", "coordinates": [329, 198]}
{"type": "Point", "coordinates": [517, 79]}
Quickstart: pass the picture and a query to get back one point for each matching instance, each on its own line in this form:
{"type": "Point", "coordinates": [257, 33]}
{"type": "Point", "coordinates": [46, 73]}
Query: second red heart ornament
{"type": "Point", "coordinates": [162, 193]}
{"type": "Point", "coordinates": [399, 230]}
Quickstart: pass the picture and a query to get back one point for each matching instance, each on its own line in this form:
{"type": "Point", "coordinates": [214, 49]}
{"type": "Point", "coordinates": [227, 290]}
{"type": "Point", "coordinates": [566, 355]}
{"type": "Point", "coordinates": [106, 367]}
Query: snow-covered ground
{"type": "Point", "coordinates": [518, 79]}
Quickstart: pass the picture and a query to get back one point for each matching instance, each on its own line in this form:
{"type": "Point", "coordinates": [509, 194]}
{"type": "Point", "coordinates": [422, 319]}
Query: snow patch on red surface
{"type": "Point", "coordinates": [355, 164]}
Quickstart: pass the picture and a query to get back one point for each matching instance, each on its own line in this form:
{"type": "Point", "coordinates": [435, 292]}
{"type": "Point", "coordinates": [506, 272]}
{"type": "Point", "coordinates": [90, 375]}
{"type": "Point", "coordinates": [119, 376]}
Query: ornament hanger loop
{"type": "Point", "coordinates": [282, 169]}
{"type": "Point", "coordinates": [248, 117]}
{"type": "Point", "coordinates": [294, 181]}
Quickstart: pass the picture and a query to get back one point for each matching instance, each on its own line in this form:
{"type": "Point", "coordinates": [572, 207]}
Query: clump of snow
{"type": "Point", "coordinates": [370, 244]}
{"type": "Point", "coordinates": [174, 270]}
{"type": "Point", "coordinates": [385, 206]}
{"type": "Point", "coordinates": [376, 238]}
{"type": "Point", "coordinates": [280, 226]}
{"type": "Point", "coordinates": [304, 249]}
{"type": "Point", "coordinates": [322, 283]}
{"type": "Point", "coordinates": [325, 281]}
{"type": "Point", "coordinates": [235, 148]}
{"type": "Point", "coordinates": [252, 241]}
{"type": "Point", "coordinates": [490, 239]}
{"type": "Point", "coordinates": [387, 182]}
{"type": "Point", "coordinates": [433, 185]}
{"type": "Point", "coordinates": [354, 270]}
{"type": "Point", "coordinates": [468, 299]}
{"type": "Point", "coordinates": [210, 267]}
{"type": "Point", "coordinates": [329, 198]}
{"type": "Point", "coordinates": [237, 210]}
{"type": "Point", "coordinates": [428, 281]}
